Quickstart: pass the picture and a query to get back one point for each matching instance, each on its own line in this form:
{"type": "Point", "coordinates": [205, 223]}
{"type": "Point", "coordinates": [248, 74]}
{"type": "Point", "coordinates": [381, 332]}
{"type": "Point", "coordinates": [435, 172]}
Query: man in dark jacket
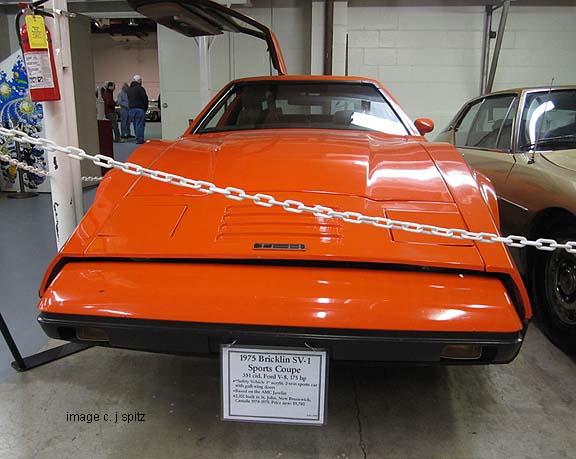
{"type": "Point", "coordinates": [138, 104]}
{"type": "Point", "coordinates": [110, 109]}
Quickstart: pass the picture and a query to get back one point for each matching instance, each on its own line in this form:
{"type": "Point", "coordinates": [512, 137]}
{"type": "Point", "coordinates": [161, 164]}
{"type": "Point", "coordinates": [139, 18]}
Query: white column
{"type": "Point", "coordinates": [340, 32]}
{"type": "Point", "coordinates": [61, 127]}
{"type": "Point", "coordinates": [204, 64]}
{"type": "Point", "coordinates": [317, 38]}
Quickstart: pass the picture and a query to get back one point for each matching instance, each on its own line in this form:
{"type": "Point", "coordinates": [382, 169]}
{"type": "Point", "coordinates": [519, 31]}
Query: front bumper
{"type": "Point", "coordinates": [174, 337]}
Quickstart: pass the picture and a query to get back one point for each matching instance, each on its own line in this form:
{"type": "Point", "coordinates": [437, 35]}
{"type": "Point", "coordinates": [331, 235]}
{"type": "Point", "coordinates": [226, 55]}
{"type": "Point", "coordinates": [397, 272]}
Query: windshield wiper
{"type": "Point", "coordinates": [545, 140]}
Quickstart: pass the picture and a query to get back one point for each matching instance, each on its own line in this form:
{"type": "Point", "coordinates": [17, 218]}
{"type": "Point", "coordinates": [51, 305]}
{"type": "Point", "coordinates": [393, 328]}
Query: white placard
{"type": "Point", "coordinates": [275, 385]}
{"type": "Point", "coordinates": [39, 70]}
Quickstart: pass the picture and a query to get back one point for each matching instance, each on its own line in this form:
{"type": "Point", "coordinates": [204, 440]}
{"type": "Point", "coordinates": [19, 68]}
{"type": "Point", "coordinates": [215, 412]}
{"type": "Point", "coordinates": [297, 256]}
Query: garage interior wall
{"type": "Point", "coordinates": [119, 61]}
{"type": "Point", "coordinates": [231, 56]}
{"type": "Point", "coordinates": [8, 38]}
{"type": "Point", "coordinates": [83, 68]}
{"type": "Point", "coordinates": [428, 57]}
{"type": "Point", "coordinates": [4, 40]}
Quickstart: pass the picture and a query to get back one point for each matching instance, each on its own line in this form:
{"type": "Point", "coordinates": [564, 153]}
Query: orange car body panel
{"type": "Point", "coordinates": [319, 297]}
{"type": "Point", "coordinates": [400, 177]}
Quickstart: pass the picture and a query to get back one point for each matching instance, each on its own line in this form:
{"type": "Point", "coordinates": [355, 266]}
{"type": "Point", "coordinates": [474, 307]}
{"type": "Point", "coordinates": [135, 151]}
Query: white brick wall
{"type": "Point", "coordinates": [429, 58]}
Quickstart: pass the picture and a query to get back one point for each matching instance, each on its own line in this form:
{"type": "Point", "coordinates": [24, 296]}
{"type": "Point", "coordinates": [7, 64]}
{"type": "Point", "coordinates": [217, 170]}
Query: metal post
{"type": "Point", "coordinates": [42, 358]}
{"type": "Point", "coordinates": [23, 194]}
{"type": "Point", "coordinates": [498, 46]}
{"type": "Point", "coordinates": [231, 55]}
{"type": "Point", "coordinates": [61, 126]}
{"type": "Point", "coordinates": [18, 360]}
{"type": "Point", "coordinates": [204, 62]}
{"type": "Point", "coordinates": [487, 35]}
{"type": "Point", "coordinates": [328, 36]}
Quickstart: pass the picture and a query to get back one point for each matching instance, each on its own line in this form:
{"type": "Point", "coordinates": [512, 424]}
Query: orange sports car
{"type": "Point", "coordinates": [159, 267]}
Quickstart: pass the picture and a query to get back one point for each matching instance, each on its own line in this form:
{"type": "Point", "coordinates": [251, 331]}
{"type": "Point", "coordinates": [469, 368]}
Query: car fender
{"type": "Point", "coordinates": [114, 186]}
{"type": "Point", "coordinates": [489, 194]}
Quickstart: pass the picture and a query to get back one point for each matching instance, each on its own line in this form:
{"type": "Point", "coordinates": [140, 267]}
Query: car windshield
{"type": "Point", "coordinates": [277, 105]}
{"type": "Point", "coordinates": [549, 121]}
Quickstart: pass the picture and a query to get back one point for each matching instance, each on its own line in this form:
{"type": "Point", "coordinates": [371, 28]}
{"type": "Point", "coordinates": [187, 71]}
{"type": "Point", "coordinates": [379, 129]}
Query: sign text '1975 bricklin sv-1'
{"type": "Point", "coordinates": [158, 267]}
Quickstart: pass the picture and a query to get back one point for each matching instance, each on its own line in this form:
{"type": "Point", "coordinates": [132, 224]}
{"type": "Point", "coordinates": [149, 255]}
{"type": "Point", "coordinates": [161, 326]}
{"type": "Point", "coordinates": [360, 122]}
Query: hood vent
{"type": "Point", "coordinates": [263, 224]}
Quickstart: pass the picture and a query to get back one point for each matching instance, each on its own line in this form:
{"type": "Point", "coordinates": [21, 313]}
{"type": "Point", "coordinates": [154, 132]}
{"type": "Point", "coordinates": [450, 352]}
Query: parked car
{"type": "Point", "coordinates": [154, 112]}
{"type": "Point", "coordinates": [524, 140]}
{"type": "Point", "coordinates": [154, 266]}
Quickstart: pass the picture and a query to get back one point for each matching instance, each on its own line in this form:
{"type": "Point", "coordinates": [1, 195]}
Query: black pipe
{"type": "Point", "coordinates": [328, 35]}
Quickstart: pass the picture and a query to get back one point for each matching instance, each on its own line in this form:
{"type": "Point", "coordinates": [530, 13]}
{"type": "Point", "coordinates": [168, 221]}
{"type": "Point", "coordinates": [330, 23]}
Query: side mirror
{"type": "Point", "coordinates": [424, 125]}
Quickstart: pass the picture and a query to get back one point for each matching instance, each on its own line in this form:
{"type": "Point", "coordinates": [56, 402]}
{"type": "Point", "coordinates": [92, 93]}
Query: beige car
{"type": "Point", "coordinates": [524, 140]}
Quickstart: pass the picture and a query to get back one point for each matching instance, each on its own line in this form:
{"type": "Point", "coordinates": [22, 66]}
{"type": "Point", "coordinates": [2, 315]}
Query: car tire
{"type": "Point", "coordinates": [555, 291]}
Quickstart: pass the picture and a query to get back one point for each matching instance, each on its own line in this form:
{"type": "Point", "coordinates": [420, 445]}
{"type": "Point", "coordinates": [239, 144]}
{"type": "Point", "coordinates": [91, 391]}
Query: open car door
{"type": "Point", "coordinates": [196, 18]}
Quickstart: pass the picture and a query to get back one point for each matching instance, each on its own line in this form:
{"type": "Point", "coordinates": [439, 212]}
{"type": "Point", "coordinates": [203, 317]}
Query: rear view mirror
{"type": "Point", "coordinates": [424, 125]}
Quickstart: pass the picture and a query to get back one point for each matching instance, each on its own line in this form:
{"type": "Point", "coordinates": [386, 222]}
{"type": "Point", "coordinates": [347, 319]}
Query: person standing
{"type": "Point", "coordinates": [110, 109]}
{"type": "Point", "coordinates": [138, 104]}
{"type": "Point", "coordinates": [100, 109]}
{"type": "Point", "coordinates": [124, 113]}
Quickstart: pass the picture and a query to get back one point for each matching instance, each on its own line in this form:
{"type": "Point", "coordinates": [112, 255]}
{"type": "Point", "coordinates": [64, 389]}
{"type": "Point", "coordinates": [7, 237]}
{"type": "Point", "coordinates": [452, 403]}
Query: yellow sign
{"type": "Point", "coordinates": [36, 32]}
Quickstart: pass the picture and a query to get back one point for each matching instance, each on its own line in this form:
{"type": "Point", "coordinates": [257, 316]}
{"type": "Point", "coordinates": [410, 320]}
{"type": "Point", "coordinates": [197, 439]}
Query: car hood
{"type": "Point", "coordinates": [375, 175]}
{"type": "Point", "coordinates": [376, 167]}
{"type": "Point", "coordinates": [565, 158]}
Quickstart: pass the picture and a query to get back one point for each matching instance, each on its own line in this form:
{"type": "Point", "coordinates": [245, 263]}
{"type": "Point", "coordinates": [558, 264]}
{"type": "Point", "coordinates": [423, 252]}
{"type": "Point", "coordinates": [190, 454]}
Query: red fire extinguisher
{"type": "Point", "coordinates": [40, 67]}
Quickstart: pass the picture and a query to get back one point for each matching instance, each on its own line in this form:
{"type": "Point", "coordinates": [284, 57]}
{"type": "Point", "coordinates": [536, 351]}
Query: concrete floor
{"type": "Point", "coordinates": [522, 410]}
{"type": "Point", "coordinates": [28, 244]}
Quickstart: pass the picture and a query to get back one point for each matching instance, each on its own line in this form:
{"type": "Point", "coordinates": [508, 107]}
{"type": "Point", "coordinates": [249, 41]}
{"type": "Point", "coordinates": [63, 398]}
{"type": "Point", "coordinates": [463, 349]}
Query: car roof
{"type": "Point", "coordinates": [530, 89]}
{"type": "Point", "coordinates": [309, 78]}
{"type": "Point", "coordinates": [518, 91]}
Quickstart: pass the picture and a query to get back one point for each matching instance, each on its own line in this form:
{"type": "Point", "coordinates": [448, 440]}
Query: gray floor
{"type": "Point", "coordinates": [522, 410]}
{"type": "Point", "coordinates": [28, 244]}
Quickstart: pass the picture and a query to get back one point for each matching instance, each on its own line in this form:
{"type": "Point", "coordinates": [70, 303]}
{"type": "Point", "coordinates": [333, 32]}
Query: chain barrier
{"type": "Point", "coordinates": [22, 165]}
{"type": "Point", "coordinates": [297, 207]}
{"type": "Point", "coordinates": [34, 170]}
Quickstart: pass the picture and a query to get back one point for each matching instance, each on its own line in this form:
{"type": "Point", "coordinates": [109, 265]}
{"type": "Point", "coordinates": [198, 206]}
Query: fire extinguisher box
{"type": "Point", "coordinates": [40, 66]}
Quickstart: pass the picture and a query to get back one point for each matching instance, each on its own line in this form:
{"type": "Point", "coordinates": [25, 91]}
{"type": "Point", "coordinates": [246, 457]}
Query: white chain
{"type": "Point", "coordinates": [22, 165]}
{"type": "Point", "coordinates": [34, 170]}
{"type": "Point", "coordinates": [41, 172]}
{"type": "Point", "coordinates": [297, 207]}
{"type": "Point", "coordinates": [92, 179]}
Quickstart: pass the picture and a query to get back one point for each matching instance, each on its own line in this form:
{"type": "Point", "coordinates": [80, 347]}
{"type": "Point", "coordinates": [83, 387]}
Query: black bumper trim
{"type": "Point", "coordinates": [343, 344]}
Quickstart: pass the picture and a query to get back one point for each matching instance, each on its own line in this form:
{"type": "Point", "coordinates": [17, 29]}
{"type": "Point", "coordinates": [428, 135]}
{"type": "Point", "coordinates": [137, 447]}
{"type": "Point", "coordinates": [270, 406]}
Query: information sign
{"type": "Point", "coordinates": [275, 385]}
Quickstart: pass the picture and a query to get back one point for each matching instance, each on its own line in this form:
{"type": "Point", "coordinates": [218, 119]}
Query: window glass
{"type": "Point", "coordinates": [463, 128]}
{"type": "Point", "coordinates": [505, 136]}
{"type": "Point", "coordinates": [219, 115]}
{"type": "Point", "coordinates": [276, 105]}
{"type": "Point", "coordinates": [489, 121]}
{"type": "Point", "coordinates": [548, 121]}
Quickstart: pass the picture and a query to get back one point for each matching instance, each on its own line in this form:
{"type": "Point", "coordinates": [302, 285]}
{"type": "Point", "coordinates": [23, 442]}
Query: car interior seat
{"type": "Point", "coordinates": [487, 139]}
{"type": "Point", "coordinates": [505, 139]}
{"type": "Point", "coordinates": [567, 129]}
{"type": "Point", "coordinates": [343, 117]}
{"type": "Point", "coordinates": [251, 114]}
{"type": "Point", "coordinates": [272, 115]}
